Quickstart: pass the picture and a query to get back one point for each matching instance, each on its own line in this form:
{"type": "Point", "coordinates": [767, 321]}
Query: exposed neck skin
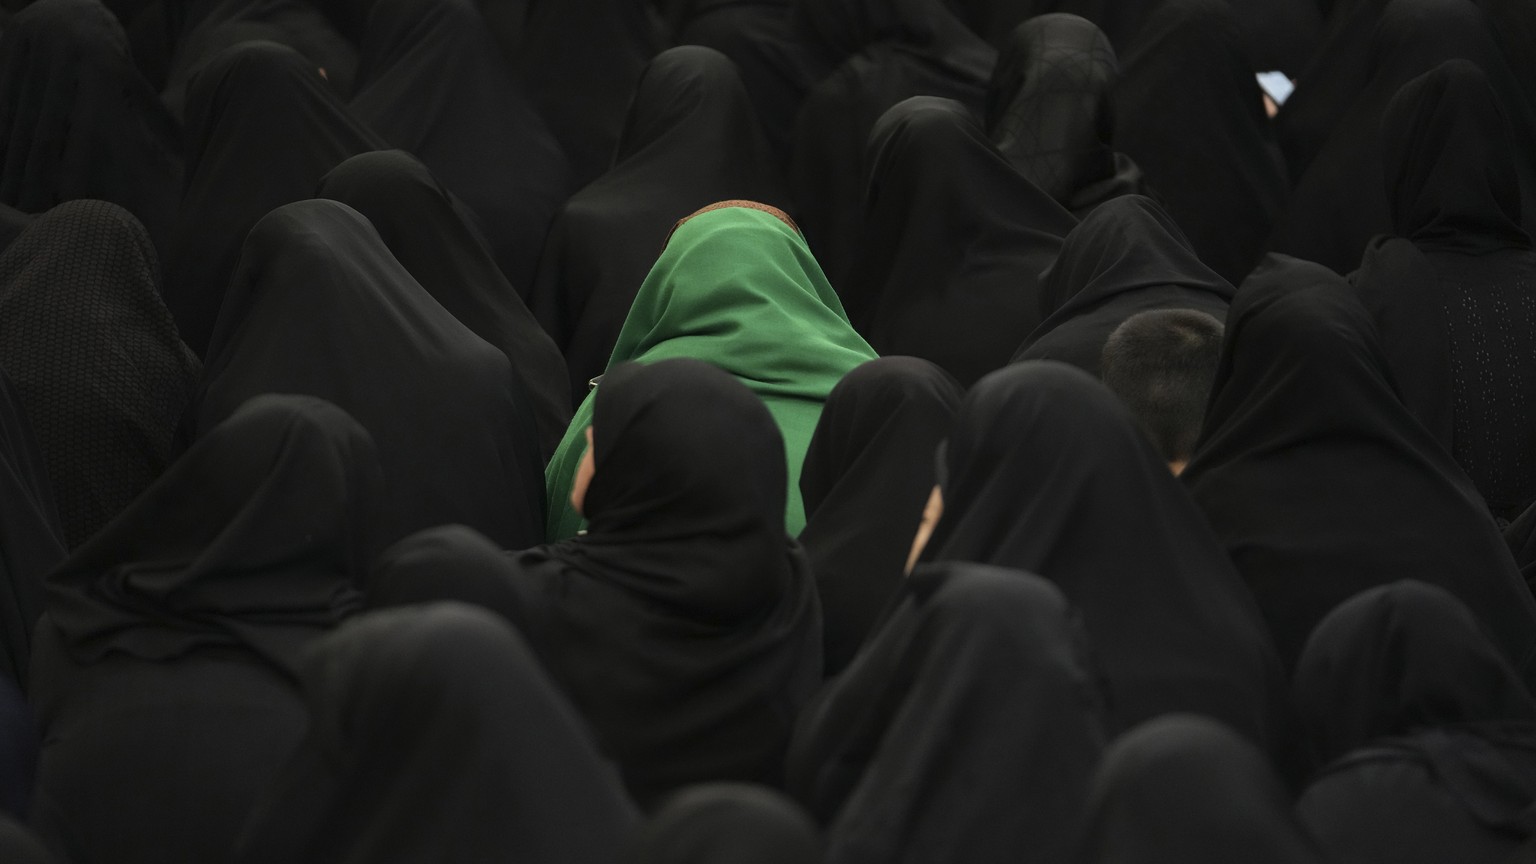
{"type": "Point", "coordinates": [931, 515]}
{"type": "Point", "coordinates": [1177, 466]}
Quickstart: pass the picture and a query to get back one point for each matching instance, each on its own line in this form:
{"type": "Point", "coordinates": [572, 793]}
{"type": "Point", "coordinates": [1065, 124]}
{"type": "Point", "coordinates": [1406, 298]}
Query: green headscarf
{"type": "Point", "coordinates": [738, 288]}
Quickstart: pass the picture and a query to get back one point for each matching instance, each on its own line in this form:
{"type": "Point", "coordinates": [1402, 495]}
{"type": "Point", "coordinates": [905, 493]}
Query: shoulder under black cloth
{"type": "Point", "coordinates": [691, 138]}
{"type": "Point", "coordinates": [953, 243]}
{"type": "Point", "coordinates": [433, 237]}
{"type": "Point", "coordinates": [431, 81]}
{"type": "Point", "coordinates": [1127, 257]}
{"type": "Point", "coordinates": [684, 624]}
{"type": "Point", "coordinates": [1451, 288]}
{"type": "Point", "coordinates": [164, 666]}
{"type": "Point", "coordinates": [33, 545]}
{"type": "Point", "coordinates": [1047, 470]}
{"type": "Point", "coordinates": [320, 306]}
{"type": "Point", "coordinates": [94, 357]}
{"type": "Point", "coordinates": [1191, 114]}
{"type": "Point", "coordinates": [262, 129]}
{"type": "Point", "coordinates": [1431, 734]}
{"type": "Point", "coordinates": [1339, 202]}
{"type": "Point", "coordinates": [881, 52]}
{"type": "Point", "coordinates": [1320, 481]}
{"type": "Point", "coordinates": [434, 736]}
{"type": "Point", "coordinates": [1050, 110]}
{"type": "Point", "coordinates": [866, 480]}
{"type": "Point", "coordinates": [966, 730]}
{"type": "Point", "coordinates": [1186, 789]}
{"type": "Point", "coordinates": [727, 823]}
{"type": "Point", "coordinates": [77, 120]}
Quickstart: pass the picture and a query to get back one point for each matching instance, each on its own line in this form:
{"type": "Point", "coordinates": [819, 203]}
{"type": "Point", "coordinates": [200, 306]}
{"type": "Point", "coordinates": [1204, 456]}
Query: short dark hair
{"type": "Point", "coordinates": [1162, 364]}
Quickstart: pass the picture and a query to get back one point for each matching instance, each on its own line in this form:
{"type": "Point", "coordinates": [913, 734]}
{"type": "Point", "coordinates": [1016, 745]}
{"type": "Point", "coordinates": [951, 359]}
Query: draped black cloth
{"type": "Point", "coordinates": [1336, 75]}
{"type": "Point", "coordinates": [1047, 470]}
{"type": "Point", "coordinates": [777, 67]}
{"type": "Point", "coordinates": [580, 60]}
{"type": "Point", "coordinates": [433, 237]}
{"type": "Point", "coordinates": [1341, 68]}
{"type": "Point", "coordinates": [1279, 35]}
{"type": "Point", "coordinates": [262, 129]}
{"type": "Point", "coordinates": [18, 753]}
{"type": "Point", "coordinates": [434, 736]}
{"type": "Point", "coordinates": [163, 667]}
{"type": "Point", "coordinates": [1050, 110]}
{"type": "Point", "coordinates": [12, 223]}
{"type": "Point", "coordinates": [194, 32]}
{"type": "Point", "coordinates": [1520, 535]}
{"type": "Point", "coordinates": [77, 120]}
{"type": "Point", "coordinates": [1191, 114]}
{"type": "Point", "coordinates": [1450, 288]}
{"type": "Point", "coordinates": [738, 823]}
{"type": "Point", "coordinates": [1187, 789]}
{"type": "Point", "coordinates": [94, 357]}
{"type": "Point", "coordinates": [1127, 257]}
{"type": "Point", "coordinates": [953, 243]}
{"type": "Point", "coordinates": [691, 139]}
{"type": "Point", "coordinates": [1340, 202]}
{"type": "Point", "coordinates": [966, 730]}
{"type": "Point", "coordinates": [320, 306]}
{"type": "Point", "coordinates": [1322, 484]}
{"type": "Point", "coordinates": [18, 845]}
{"type": "Point", "coordinates": [431, 81]}
{"type": "Point", "coordinates": [866, 480]}
{"type": "Point", "coordinates": [881, 52]}
{"type": "Point", "coordinates": [684, 624]}
{"type": "Point", "coordinates": [31, 544]}
{"type": "Point", "coordinates": [1431, 734]}
{"type": "Point", "coordinates": [1120, 20]}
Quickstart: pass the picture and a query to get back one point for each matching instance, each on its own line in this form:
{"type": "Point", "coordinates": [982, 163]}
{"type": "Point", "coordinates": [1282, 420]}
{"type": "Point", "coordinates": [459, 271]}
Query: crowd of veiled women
{"type": "Point", "coordinates": [767, 431]}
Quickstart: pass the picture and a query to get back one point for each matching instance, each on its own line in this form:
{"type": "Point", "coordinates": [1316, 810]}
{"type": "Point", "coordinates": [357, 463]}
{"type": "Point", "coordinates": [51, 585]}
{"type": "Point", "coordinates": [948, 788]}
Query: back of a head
{"type": "Point", "coordinates": [1397, 659]}
{"type": "Point", "coordinates": [727, 823]}
{"type": "Point", "coordinates": [1449, 156]}
{"type": "Point", "coordinates": [1183, 787]}
{"type": "Point", "coordinates": [1162, 364]}
{"type": "Point", "coordinates": [1050, 103]}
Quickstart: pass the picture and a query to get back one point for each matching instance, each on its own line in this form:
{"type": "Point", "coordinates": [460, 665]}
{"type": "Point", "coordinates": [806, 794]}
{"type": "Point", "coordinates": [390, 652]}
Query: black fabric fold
{"type": "Point", "coordinates": [434, 735]}
{"type": "Point", "coordinates": [1047, 470]}
{"type": "Point", "coordinates": [1127, 257]}
{"type": "Point", "coordinates": [966, 730]}
{"type": "Point", "coordinates": [1322, 484]}
{"type": "Point", "coordinates": [432, 236]}
{"type": "Point", "coordinates": [867, 477]}
{"type": "Point", "coordinates": [320, 306]}
{"type": "Point", "coordinates": [953, 243]}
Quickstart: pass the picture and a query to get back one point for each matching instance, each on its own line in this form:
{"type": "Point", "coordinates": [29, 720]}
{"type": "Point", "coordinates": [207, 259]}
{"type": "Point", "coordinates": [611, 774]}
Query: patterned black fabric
{"type": "Point", "coordinates": [94, 356]}
{"type": "Point", "coordinates": [1050, 110]}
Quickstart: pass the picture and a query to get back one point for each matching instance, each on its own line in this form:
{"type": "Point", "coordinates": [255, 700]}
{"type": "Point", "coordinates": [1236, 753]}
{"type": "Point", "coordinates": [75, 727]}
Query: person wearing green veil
{"type": "Point", "coordinates": [735, 286]}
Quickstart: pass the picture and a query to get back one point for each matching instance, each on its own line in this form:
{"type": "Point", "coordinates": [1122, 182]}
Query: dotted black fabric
{"type": "Point", "coordinates": [1490, 320]}
{"type": "Point", "coordinates": [94, 356]}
